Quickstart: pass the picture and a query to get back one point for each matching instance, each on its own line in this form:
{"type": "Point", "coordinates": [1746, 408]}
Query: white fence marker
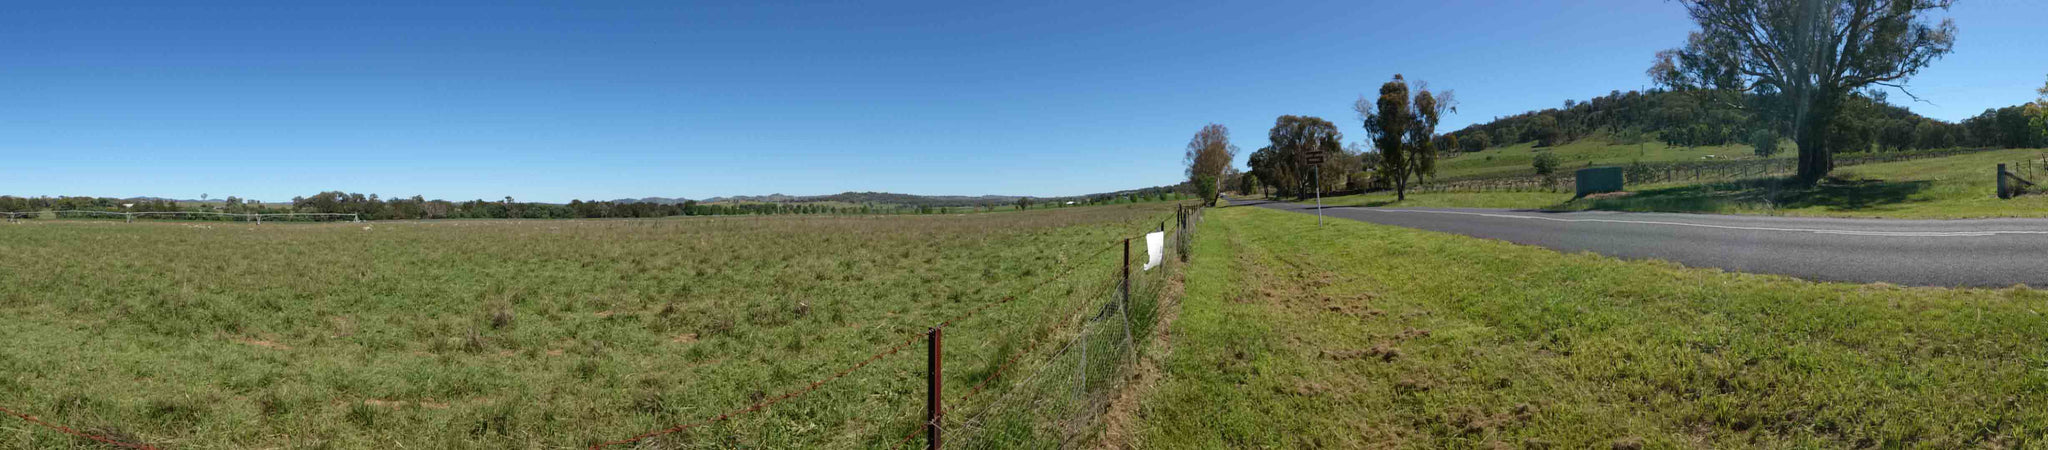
{"type": "Point", "coordinates": [1155, 247]}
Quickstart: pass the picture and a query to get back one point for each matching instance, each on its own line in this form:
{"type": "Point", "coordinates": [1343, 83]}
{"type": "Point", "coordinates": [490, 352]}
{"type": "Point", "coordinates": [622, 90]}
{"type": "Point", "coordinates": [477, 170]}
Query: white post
{"type": "Point", "coordinates": [1319, 195]}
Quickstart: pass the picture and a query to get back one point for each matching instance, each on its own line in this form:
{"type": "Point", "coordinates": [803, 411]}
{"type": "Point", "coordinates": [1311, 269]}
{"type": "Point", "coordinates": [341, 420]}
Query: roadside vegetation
{"type": "Point", "coordinates": [1519, 159]}
{"type": "Point", "coordinates": [531, 334]}
{"type": "Point", "coordinates": [1358, 335]}
{"type": "Point", "coordinates": [1955, 187]}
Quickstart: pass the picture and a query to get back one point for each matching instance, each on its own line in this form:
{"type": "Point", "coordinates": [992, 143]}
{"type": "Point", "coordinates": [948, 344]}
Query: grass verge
{"type": "Point", "coordinates": [1367, 336]}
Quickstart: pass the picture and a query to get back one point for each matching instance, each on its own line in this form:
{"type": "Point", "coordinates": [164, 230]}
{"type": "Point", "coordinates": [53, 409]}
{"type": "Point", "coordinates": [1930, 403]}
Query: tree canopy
{"type": "Point", "coordinates": [1403, 130]}
{"type": "Point", "coordinates": [1283, 163]}
{"type": "Point", "coordinates": [1806, 56]}
{"type": "Point", "coordinates": [1209, 154]}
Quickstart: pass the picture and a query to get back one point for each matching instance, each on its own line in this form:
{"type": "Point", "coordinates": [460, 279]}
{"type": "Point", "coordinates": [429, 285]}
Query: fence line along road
{"type": "Point", "coordinates": [1107, 333]}
{"type": "Point", "coordinates": [1668, 172]}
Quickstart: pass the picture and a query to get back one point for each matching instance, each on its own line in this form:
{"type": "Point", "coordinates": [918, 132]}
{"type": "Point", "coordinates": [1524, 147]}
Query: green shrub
{"type": "Point", "coordinates": [1546, 163]}
{"type": "Point", "coordinates": [1765, 141]}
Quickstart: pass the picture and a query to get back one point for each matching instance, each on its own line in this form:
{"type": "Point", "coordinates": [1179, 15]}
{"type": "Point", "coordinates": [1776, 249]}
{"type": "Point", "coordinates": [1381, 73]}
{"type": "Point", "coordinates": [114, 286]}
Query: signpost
{"type": "Point", "coordinates": [1315, 159]}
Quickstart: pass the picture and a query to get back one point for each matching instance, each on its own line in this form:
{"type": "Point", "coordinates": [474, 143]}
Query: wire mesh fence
{"type": "Point", "coordinates": [1035, 369]}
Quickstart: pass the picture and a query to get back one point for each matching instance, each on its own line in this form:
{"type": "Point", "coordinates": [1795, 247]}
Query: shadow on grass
{"type": "Point", "coordinates": [1836, 194]}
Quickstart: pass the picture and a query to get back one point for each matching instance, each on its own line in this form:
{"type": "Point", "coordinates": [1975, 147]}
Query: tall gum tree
{"type": "Point", "coordinates": [1810, 54]}
{"type": "Point", "coordinates": [1403, 129]}
{"type": "Point", "coordinates": [1208, 155]}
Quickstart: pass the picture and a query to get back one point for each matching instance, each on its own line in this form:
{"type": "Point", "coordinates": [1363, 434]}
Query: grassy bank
{"type": "Point", "coordinates": [1359, 335]}
{"type": "Point", "coordinates": [524, 334]}
{"type": "Point", "coordinates": [1519, 159]}
{"type": "Point", "coordinates": [1952, 187]}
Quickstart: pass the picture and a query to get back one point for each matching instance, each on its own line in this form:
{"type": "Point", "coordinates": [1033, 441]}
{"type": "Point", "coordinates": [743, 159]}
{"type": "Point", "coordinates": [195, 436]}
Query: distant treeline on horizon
{"type": "Point", "coordinates": [372, 207]}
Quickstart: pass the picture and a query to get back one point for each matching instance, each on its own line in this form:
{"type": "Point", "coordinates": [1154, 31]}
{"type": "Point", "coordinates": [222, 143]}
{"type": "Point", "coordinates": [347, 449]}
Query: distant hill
{"type": "Point", "coordinates": [883, 198]}
{"type": "Point", "coordinates": [654, 200]}
{"type": "Point", "coordinates": [1697, 119]}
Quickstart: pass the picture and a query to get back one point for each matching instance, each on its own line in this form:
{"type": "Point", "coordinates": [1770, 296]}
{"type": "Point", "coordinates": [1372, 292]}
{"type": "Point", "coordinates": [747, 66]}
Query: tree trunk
{"type": "Point", "coordinates": [1816, 159]}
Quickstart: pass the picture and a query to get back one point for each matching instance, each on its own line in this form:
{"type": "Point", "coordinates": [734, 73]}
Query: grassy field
{"type": "Point", "coordinates": [524, 334]}
{"type": "Point", "coordinates": [1935, 188]}
{"type": "Point", "coordinates": [1518, 159]}
{"type": "Point", "coordinates": [1356, 335]}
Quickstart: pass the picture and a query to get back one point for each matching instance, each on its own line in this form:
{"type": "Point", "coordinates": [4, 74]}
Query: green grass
{"type": "Point", "coordinates": [1953, 187]}
{"type": "Point", "coordinates": [1935, 188]}
{"type": "Point", "coordinates": [524, 334]}
{"type": "Point", "coordinates": [1518, 159]}
{"type": "Point", "coordinates": [1360, 335]}
{"type": "Point", "coordinates": [1503, 200]}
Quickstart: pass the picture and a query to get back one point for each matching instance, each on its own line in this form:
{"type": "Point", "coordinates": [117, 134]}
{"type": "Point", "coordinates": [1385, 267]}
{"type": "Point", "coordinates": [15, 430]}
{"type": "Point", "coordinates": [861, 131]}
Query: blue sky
{"type": "Point", "coordinates": [602, 100]}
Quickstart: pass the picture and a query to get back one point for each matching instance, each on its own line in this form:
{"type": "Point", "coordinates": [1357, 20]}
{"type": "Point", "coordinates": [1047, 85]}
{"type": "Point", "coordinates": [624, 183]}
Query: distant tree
{"type": "Point", "coordinates": [1546, 163]}
{"type": "Point", "coordinates": [1387, 119]}
{"type": "Point", "coordinates": [1476, 142]}
{"type": "Point", "coordinates": [1286, 159]}
{"type": "Point", "coordinates": [1546, 132]}
{"type": "Point", "coordinates": [1896, 135]}
{"type": "Point", "coordinates": [1208, 155]}
{"type": "Point", "coordinates": [1764, 141]}
{"type": "Point", "coordinates": [1248, 184]}
{"type": "Point", "coordinates": [1810, 53]}
{"type": "Point", "coordinates": [1262, 163]}
{"type": "Point", "coordinates": [2039, 112]}
{"type": "Point", "coordinates": [1023, 203]}
{"type": "Point", "coordinates": [1929, 134]}
{"type": "Point", "coordinates": [1430, 108]}
{"type": "Point", "coordinates": [1403, 130]}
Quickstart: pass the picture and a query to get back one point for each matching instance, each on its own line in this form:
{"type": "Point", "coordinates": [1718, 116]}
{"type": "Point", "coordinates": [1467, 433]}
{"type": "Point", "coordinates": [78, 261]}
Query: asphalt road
{"type": "Point", "coordinates": [1986, 252]}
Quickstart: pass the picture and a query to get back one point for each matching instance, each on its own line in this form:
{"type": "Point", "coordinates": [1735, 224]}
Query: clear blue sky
{"type": "Point", "coordinates": [602, 100]}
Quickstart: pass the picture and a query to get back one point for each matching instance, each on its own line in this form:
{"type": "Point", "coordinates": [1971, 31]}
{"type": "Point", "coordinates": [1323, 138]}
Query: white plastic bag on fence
{"type": "Point", "coordinates": [1155, 247]}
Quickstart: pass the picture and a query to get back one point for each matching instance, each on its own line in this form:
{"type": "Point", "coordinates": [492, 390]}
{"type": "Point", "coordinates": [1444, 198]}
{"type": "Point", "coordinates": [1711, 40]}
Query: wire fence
{"type": "Point", "coordinates": [2022, 177]}
{"type": "Point", "coordinates": [1672, 172]}
{"type": "Point", "coordinates": [1047, 385]}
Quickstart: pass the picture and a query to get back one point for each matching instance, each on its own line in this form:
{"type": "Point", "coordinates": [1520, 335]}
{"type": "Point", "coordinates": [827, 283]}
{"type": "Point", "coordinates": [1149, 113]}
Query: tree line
{"type": "Point", "coordinates": [373, 207]}
{"type": "Point", "coordinates": [1754, 72]}
{"type": "Point", "coordinates": [1400, 123]}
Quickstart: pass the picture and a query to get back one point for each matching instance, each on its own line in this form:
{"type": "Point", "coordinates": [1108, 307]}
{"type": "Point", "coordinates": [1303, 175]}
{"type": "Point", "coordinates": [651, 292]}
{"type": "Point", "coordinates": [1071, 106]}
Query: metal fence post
{"type": "Point", "coordinates": [1126, 288]}
{"type": "Point", "coordinates": [2001, 182]}
{"type": "Point", "coordinates": [933, 383]}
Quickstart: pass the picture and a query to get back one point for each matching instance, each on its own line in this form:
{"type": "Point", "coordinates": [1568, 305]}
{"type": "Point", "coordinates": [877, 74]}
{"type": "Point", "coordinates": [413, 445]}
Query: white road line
{"type": "Point", "coordinates": [1731, 227]}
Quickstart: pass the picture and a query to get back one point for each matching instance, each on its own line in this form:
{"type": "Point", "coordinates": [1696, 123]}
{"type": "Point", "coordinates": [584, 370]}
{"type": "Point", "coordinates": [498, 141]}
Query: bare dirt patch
{"type": "Point", "coordinates": [1121, 422]}
{"type": "Point", "coordinates": [265, 343]}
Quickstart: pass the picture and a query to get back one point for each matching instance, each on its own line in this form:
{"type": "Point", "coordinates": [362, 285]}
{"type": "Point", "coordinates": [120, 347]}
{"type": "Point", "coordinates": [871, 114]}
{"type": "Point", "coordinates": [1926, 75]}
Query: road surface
{"type": "Point", "coordinates": [1983, 252]}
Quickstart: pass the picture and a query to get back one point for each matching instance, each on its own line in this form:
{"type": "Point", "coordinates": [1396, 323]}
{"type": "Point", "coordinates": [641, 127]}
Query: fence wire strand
{"type": "Point", "coordinates": [1071, 266]}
